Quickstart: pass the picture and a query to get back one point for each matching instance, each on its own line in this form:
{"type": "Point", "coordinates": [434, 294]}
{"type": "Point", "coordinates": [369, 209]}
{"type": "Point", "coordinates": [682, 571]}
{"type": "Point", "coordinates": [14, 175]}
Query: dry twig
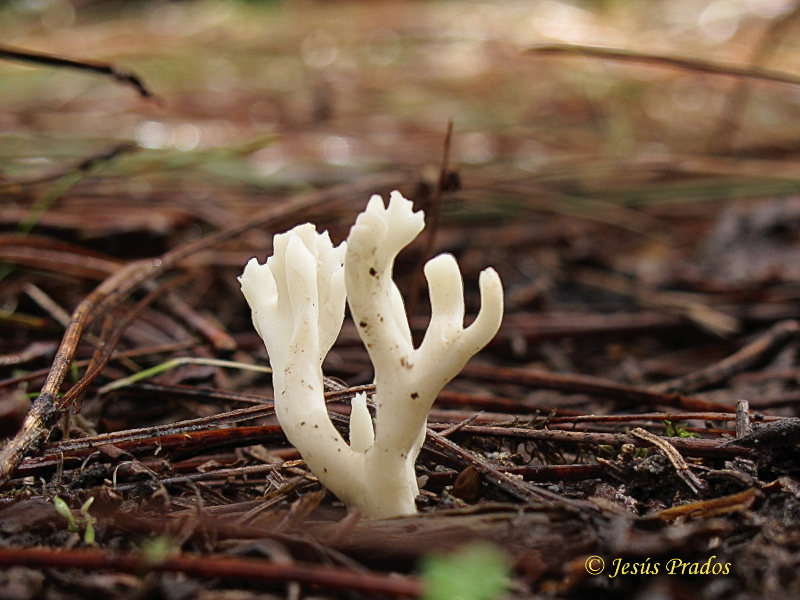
{"type": "Point", "coordinates": [675, 458]}
{"type": "Point", "coordinates": [691, 64]}
{"type": "Point", "coordinates": [124, 77]}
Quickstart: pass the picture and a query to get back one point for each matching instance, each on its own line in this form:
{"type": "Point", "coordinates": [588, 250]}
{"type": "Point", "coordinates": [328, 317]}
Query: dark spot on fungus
{"type": "Point", "coordinates": [316, 426]}
{"type": "Point", "coordinates": [362, 324]}
{"type": "Point", "coordinates": [324, 470]}
{"type": "Point", "coordinates": [372, 271]}
{"type": "Point", "coordinates": [415, 395]}
{"type": "Point", "coordinates": [302, 423]}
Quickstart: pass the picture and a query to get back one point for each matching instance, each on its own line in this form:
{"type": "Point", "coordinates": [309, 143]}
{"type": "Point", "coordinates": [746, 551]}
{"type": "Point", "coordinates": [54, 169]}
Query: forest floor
{"type": "Point", "coordinates": [631, 431]}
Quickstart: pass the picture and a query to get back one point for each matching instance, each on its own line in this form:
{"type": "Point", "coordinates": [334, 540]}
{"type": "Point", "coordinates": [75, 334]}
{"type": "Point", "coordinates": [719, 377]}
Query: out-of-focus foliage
{"type": "Point", "coordinates": [298, 94]}
{"type": "Point", "coordinates": [476, 572]}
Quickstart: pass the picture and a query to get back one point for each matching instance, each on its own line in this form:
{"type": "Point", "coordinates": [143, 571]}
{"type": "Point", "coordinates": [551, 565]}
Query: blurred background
{"type": "Point", "coordinates": [564, 160]}
{"type": "Point", "coordinates": [304, 92]}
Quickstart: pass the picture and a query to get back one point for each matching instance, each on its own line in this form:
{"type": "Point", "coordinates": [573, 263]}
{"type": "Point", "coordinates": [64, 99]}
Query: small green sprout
{"type": "Point", "coordinates": [476, 572]}
{"type": "Point", "coordinates": [65, 511]}
{"type": "Point", "coordinates": [157, 550]}
{"type": "Point", "coordinates": [672, 430]}
{"type": "Point", "coordinates": [73, 524]}
{"type": "Point", "coordinates": [177, 362]}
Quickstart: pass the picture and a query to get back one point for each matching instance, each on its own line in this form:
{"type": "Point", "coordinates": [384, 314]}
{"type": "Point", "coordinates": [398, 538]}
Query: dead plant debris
{"type": "Point", "coordinates": [638, 408]}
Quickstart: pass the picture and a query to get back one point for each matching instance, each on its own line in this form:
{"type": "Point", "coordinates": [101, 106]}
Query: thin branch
{"type": "Point", "coordinates": [186, 443]}
{"type": "Point", "coordinates": [49, 60]}
{"type": "Point", "coordinates": [691, 64]}
{"type": "Point", "coordinates": [660, 416]}
{"type": "Point", "coordinates": [688, 446]}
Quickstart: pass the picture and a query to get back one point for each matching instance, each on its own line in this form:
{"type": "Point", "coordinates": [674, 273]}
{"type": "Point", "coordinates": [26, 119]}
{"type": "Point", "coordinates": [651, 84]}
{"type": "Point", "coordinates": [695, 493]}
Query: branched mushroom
{"type": "Point", "coordinates": [297, 299]}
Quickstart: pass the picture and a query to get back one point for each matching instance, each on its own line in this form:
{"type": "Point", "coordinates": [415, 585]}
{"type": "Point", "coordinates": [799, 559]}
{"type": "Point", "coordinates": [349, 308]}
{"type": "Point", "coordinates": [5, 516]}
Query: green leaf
{"type": "Point", "coordinates": [157, 550]}
{"type": "Point", "coordinates": [86, 506]}
{"type": "Point", "coordinates": [476, 572]}
{"type": "Point", "coordinates": [88, 535]}
{"type": "Point", "coordinates": [62, 509]}
{"type": "Point", "coordinates": [672, 430]}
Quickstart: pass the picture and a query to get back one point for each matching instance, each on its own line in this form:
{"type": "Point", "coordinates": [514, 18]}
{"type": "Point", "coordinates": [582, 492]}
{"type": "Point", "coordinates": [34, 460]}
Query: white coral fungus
{"type": "Point", "coordinates": [297, 299]}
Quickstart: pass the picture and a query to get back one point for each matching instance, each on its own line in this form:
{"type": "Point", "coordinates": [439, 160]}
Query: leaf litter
{"type": "Point", "coordinates": [639, 402]}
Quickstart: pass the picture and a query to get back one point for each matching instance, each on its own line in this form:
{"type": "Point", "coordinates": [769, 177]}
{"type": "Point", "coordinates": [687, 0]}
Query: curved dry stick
{"type": "Point", "coordinates": [44, 413]}
{"type": "Point", "coordinates": [105, 351]}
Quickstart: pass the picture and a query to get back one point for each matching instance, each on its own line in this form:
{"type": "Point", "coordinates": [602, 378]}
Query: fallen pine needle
{"type": "Point", "coordinates": [177, 362]}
